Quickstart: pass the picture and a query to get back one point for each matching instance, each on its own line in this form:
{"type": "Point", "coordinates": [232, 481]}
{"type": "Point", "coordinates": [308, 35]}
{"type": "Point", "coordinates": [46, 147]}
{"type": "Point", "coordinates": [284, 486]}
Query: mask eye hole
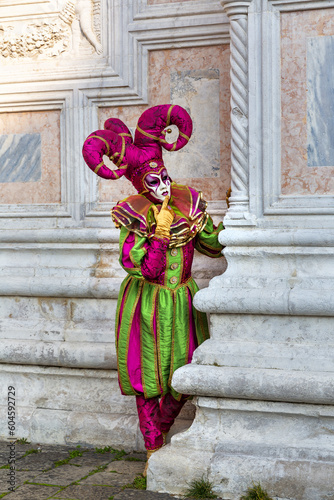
{"type": "Point", "coordinates": [152, 181]}
{"type": "Point", "coordinates": [164, 176]}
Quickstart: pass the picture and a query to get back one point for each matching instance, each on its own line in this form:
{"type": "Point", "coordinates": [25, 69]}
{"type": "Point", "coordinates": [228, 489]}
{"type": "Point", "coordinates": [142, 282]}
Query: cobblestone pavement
{"type": "Point", "coordinates": [73, 473]}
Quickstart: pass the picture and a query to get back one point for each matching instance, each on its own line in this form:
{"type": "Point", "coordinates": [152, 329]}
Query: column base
{"type": "Point", "coordinates": [287, 447]}
{"type": "Point", "coordinates": [74, 406]}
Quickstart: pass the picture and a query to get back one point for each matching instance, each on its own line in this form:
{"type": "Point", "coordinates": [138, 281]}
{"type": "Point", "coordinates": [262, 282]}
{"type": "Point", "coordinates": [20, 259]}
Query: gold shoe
{"type": "Point", "coordinates": [149, 454]}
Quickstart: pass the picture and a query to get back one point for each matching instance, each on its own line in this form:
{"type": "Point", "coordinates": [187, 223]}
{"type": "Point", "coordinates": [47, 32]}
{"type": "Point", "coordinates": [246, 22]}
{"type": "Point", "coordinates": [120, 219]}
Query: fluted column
{"type": "Point", "coordinates": [239, 200]}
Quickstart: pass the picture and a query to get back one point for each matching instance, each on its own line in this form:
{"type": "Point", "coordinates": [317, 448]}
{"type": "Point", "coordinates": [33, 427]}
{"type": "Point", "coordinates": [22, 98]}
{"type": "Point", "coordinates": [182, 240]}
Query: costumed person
{"type": "Point", "coordinates": [157, 327]}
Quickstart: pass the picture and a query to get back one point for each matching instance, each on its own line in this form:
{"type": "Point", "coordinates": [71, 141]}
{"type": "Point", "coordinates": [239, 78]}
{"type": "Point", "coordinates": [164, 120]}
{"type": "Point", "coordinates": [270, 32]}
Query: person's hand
{"type": "Point", "coordinates": [164, 219]}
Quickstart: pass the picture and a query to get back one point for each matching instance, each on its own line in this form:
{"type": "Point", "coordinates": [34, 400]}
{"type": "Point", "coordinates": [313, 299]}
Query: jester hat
{"type": "Point", "coordinates": [135, 159]}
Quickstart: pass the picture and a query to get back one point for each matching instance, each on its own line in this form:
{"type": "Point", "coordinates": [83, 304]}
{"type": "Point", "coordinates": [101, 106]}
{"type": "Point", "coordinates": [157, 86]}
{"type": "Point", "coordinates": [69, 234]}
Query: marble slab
{"type": "Point", "coordinates": [320, 101]}
{"type": "Point", "coordinates": [20, 158]}
{"type": "Point", "coordinates": [306, 80]}
{"type": "Point", "coordinates": [30, 157]}
{"type": "Point", "coordinates": [198, 92]}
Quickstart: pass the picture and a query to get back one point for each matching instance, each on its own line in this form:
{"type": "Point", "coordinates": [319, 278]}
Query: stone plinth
{"type": "Point", "coordinates": [59, 405]}
{"type": "Point", "coordinates": [264, 379]}
{"type": "Point", "coordinates": [287, 447]}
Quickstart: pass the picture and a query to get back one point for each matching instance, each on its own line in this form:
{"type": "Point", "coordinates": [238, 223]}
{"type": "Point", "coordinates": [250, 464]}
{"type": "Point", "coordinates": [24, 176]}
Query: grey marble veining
{"type": "Point", "coordinates": [320, 101]}
{"type": "Point", "coordinates": [20, 158]}
{"type": "Point", "coordinates": [198, 92]}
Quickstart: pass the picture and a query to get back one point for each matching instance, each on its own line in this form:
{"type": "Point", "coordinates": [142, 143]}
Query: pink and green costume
{"type": "Point", "coordinates": [157, 327]}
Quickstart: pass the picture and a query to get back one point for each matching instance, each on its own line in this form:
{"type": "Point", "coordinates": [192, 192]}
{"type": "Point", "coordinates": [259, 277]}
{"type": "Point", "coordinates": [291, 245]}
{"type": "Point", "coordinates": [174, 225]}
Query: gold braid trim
{"type": "Point", "coordinates": [150, 135]}
{"type": "Point", "coordinates": [173, 290]}
{"type": "Point", "coordinates": [122, 153]}
{"type": "Point", "coordinates": [168, 114]}
{"type": "Point", "coordinates": [146, 134]}
{"type": "Point", "coordinates": [175, 240]}
{"type": "Point", "coordinates": [181, 231]}
{"type": "Point", "coordinates": [98, 167]}
{"type": "Point", "coordinates": [125, 134]}
{"type": "Point", "coordinates": [101, 139]}
{"type": "Point", "coordinates": [184, 135]}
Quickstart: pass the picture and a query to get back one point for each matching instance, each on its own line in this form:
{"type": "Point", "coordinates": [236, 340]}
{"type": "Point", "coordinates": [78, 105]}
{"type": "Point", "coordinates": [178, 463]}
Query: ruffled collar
{"type": "Point", "coordinates": [136, 214]}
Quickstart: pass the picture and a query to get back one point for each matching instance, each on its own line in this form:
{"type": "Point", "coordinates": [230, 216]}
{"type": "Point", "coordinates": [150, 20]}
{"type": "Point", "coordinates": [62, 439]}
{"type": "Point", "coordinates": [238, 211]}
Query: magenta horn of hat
{"type": "Point", "coordinates": [109, 143]}
{"type": "Point", "coordinates": [118, 127]}
{"type": "Point", "coordinates": [153, 122]}
{"type": "Point", "coordinates": [116, 141]}
{"type": "Point", "coordinates": [180, 118]}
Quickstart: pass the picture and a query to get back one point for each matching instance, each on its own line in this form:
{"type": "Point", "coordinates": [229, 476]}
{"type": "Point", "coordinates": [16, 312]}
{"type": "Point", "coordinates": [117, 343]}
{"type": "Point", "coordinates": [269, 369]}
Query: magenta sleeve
{"type": "Point", "coordinates": [127, 247]}
{"type": "Point", "coordinates": [154, 262]}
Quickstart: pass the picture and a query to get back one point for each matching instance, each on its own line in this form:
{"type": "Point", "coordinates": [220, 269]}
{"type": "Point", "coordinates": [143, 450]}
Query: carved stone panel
{"type": "Point", "coordinates": [198, 92]}
{"type": "Point", "coordinates": [20, 157]}
{"type": "Point", "coordinates": [73, 58]}
{"type": "Point", "coordinates": [30, 158]}
{"type": "Point", "coordinates": [307, 102]}
{"type": "Point", "coordinates": [290, 86]}
{"type": "Point", "coordinates": [58, 34]}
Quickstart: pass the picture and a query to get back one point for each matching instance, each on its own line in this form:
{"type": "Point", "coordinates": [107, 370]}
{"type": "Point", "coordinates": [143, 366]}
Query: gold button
{"type": "Point", "coordinates": [173, 252]}
{"type": "Point", "coordinates": [173, 280]}
{"type": "Point", "coordinates": [174, 265]}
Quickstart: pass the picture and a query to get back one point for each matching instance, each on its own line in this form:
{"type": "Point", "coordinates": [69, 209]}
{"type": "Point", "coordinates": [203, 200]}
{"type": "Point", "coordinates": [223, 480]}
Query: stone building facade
{"type": "Point", "coordinates": [256, 77]}
{"type": "Point", "coordinates": [67, 66]}
{"type": "Point", "coordinates": [264, 380]}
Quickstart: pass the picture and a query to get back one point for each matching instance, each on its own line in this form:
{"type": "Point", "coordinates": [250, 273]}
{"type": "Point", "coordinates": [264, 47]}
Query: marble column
{"type": "Point", "coordinates": [239, 199]}
{"type": "Point", "coordinates": [264, 380]}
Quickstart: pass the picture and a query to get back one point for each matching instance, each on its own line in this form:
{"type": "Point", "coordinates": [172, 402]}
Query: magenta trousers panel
{"type": "Point", "coordinates": [157, 417]}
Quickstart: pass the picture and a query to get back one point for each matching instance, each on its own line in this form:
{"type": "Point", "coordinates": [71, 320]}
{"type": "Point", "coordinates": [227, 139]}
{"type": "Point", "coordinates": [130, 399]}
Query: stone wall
{"type": "Point", "coordinates": [66, 67]}
{"type": "Point", "coordinates": [264, 379]}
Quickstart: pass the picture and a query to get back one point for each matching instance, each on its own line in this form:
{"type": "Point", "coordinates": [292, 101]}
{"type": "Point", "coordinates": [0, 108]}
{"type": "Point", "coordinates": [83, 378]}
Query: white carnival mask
{"type": "Point", "coordinates": [158, 184]}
